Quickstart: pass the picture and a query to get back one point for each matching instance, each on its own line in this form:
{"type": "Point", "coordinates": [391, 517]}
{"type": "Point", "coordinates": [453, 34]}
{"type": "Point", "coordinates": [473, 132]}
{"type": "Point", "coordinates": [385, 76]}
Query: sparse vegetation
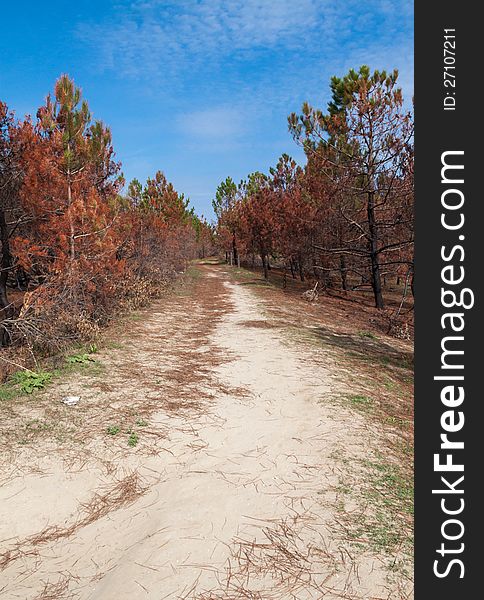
{"type": "Point", "coordinates": [80, 359]}
{"type": "Point", "coordinates": [7, 392]}
{"type": "Point", "coordinates": [133, 439]}
{"type": "Point", "coordinates": [359, 400]}
{"type": "Point", "coordinates": [367, 334]}
{"type": "Point", "coordinates": [388, 524]}
{"type": "Point", "coordinates": [29, 381]}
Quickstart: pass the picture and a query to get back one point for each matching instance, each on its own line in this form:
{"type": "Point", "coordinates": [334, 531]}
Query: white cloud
{"type": "Point", "coordinates": [157, 36]}
{"type": "Point", "coordinates": [212, 124]}
{"type": "Point", "coordinates": [166, 41]}
{"type": "Point", "coordinates": [249, 59]}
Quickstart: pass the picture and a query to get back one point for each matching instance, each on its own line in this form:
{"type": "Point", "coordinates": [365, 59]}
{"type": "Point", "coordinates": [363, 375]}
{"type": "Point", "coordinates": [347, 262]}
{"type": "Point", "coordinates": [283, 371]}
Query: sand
{"type": "Point", "coordinates": [233, 497]}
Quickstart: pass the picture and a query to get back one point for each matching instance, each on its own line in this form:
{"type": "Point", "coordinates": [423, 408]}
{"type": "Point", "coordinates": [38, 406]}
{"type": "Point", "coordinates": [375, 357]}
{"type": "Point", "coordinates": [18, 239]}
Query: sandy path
{"type": "Point", "coordinates": [232, 499]}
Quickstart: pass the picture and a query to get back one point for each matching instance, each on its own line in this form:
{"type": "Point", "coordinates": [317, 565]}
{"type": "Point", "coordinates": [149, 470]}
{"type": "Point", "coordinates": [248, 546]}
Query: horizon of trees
{"type": "Point", "coordinates": [346, 217]}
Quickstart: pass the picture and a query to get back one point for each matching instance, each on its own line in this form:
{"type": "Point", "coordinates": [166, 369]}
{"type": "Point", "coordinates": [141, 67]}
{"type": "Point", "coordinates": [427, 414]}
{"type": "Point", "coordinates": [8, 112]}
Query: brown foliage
{"type": "Point", "coordinates": [346, 219]}
{"type": "Point", "coordinates": [71, 242]}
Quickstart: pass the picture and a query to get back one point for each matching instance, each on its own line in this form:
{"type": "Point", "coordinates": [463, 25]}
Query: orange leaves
{"type": "Point", "coordinates": [24, 252]}
{"type": "Point", "coordinates": [83, 250]}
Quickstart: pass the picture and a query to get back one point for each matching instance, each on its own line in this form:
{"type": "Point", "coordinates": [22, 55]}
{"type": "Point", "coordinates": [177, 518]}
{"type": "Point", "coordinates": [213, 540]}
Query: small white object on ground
{"type": "Point", "coordinates": [71, 400]}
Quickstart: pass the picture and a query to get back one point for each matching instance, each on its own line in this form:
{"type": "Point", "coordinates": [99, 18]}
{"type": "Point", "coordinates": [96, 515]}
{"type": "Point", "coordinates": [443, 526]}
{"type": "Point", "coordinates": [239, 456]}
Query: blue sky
{"type": "Point", "coordinates": [199, 89]}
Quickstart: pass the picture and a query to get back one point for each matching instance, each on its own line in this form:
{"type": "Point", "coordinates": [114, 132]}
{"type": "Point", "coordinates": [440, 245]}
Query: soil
{"type": "Point", "coordinates": [218, 451]}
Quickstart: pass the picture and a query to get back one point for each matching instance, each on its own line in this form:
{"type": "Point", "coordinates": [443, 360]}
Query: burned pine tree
{"type": "Point", "coordinates": [362, 146]}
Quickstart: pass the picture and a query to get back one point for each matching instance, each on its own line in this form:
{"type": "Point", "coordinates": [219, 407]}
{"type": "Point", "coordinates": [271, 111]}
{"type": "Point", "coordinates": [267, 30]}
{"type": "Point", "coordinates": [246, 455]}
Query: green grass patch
{"type": "Point", "coordinates": [135, 316]}
{"type": "Point", "coordinates": [133, 439]}
{"type": "Point", "coordinates": [360, 401]}
{"type": "Point", "coordinates": [113, 429]}
{"type": "Point", "coordinates": [383, 491]}
{"type": "Point", "coordinates": [30, 381]}
{"type": "Point", "coordinates": [391, 385]}
{"type": "Point", "coordinates": [390, 492]}
{"type": "Point", "coordinates": [367, 334]}
{"type": "Point", "coordinates": [387, 522]}
{"type": "Point", "coordinates": [390, 487]}
{"type": "Point", "coordinates": [27, 381]}
{"type": "Point", "coordinates": [81, 359]}
{"type": "Point", "coordinates": [114, 345]}
{"type": "Point", "coordinates": [90, 367]}
{"type": "Point", "coordinates": [243, 273]}
{"type": "Point", "coordinates": [398, 422]}
{"type": "Point", "coordinates": [7, 392]}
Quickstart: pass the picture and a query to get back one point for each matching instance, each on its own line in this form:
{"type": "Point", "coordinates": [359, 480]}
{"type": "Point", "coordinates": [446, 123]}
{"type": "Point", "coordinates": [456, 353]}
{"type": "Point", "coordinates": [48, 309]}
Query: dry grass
{"type": "Point", "coordinates": [355, 306]}
{"type": "Point", "coordinates": [375, 495]}
{"type": "Point", "coordinates": [163, 371]}
{"type": "Point", "coordinates": [366, 360]}
{"type": "Point", "coordinates": [259, 324]}
{"type": "Point", "coordinates": [290, 560]}
{"type": "Point", "coordinates": [165, 374]}
{"type": "Point", "coordinates": [163, 364]}
{"type": "Point", "coordinates": [56, 591]}
{"type": "Point", "coordinates": [123, 493]}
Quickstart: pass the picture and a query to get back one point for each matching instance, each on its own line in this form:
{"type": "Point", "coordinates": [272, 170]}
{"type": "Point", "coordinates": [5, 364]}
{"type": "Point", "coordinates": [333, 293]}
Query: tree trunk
{"type": "Point", "coordinates": [316, 272]}
{"type": "Point", "coordinates": [291, 264]}
{"type": "Point", "coordinates": [22, 279]}
{"type": "Point", "coordinates": [300, 267]}
{"type": "Point", "coordinates": [264, 265]}
{"type": "Point", "coordinates": [72, 249]}
{"type": "Point", "coordinates": [6, 262]}
{"type": "Point", "coordinates": [342, 271]}
{"type": "Point", "coordinates": [234, 250]}
{"type": "Point", "coordinates": [373, 247]}
{"type": "Point", "coordinates": [5, 266]}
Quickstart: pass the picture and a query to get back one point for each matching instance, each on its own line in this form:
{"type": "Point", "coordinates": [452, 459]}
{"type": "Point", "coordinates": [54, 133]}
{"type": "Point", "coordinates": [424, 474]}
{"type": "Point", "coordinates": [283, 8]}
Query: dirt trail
{"type": "Point", "coordinates": [230, 488]}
